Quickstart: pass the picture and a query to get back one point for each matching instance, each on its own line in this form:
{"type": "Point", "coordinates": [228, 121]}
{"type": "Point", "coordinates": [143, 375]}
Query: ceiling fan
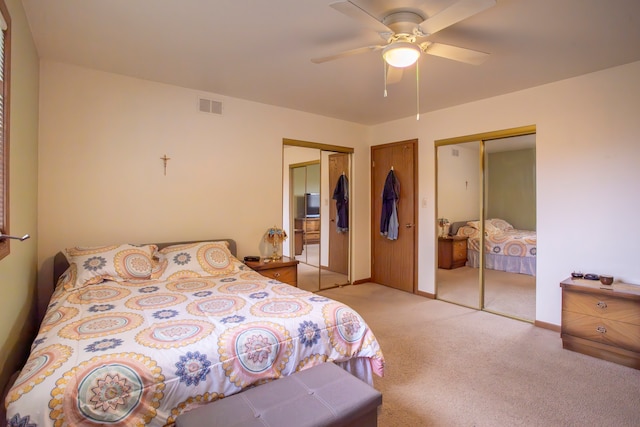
{"type": "Point", "coordinates": [405, 33]}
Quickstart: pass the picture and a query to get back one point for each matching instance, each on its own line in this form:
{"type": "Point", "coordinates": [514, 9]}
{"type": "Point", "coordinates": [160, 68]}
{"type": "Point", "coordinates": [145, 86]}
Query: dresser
{"type": "Point", "coordinates": [284, 270]}
{"type": "Point", "coordinates": [452, 252]}
{"type": "Point", "coordinates": [602, 321]}
{"type": "Point", "coordinates": [310, 228]}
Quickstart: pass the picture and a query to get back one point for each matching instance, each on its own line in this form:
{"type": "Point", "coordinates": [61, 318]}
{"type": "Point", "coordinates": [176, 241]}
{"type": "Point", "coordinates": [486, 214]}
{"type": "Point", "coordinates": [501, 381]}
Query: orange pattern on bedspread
{"type": "Point", "coordinates": [142, 353]}
{"type": "Point", "coordinates": [512, 242]}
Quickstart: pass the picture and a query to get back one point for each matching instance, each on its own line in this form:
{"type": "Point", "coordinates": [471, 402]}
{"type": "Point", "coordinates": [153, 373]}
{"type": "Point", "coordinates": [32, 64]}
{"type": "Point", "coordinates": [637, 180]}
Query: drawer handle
{"type": "Point", "coordinates": [601, 329]}
{"type": "Point", "coordinates": [601, 304]}
{"type": "Point", "coordinates": [277, 275]}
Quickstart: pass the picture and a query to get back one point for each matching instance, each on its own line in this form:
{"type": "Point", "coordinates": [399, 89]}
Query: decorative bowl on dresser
{"type": "Point", "coordinates": [602, 321]}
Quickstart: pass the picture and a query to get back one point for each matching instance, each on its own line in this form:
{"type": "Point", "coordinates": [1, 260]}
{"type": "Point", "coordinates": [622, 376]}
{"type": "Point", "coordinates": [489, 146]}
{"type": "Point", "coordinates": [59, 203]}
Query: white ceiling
{"type": "Point", "coordinates": [260, 50]}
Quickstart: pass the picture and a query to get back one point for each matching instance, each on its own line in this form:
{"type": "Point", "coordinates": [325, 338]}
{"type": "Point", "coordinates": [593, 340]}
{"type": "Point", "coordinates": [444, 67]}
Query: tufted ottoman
{"type": "Point", "coordinates": [324, 395]}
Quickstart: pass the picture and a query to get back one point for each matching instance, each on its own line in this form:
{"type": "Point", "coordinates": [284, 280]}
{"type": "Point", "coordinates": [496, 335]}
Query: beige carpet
{"type": "Point", "coordinates": [507, 293]}
{"type": "Point", "coordinates": [312, 278]}
{"type": "Point", "coordinates": [310, 254]}
{"type": "Point", "coordinates": [448, 365]}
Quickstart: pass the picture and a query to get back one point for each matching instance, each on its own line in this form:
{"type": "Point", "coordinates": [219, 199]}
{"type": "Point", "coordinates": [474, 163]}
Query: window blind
{"type": "Point", "coordinates": [3, 148]}
{"type": "Point", "coordinates": [5, 36]}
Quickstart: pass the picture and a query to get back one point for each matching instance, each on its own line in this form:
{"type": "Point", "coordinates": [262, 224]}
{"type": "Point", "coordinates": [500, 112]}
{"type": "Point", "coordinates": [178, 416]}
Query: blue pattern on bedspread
{"type": "Point", "coordinates": [142, 353]}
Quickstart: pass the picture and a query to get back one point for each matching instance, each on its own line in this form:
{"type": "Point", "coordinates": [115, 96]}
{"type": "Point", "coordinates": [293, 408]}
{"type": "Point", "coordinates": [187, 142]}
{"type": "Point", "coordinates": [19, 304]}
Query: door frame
{"type": "Point", "coordinates": [374, 221]}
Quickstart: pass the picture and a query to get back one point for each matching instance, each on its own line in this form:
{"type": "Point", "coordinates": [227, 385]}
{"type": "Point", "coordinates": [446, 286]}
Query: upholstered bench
{"type": "Point", "coordinates": [324, 395]}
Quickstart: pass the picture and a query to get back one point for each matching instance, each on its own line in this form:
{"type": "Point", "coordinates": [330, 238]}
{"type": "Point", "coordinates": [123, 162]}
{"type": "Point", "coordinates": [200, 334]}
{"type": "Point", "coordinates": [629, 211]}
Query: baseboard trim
{"type": "Point", "coordinates": [551, 326]}
{"type": "Point", "coordinates": [426, 294]}
{"type": "Point", "coordinates": [545, 325]}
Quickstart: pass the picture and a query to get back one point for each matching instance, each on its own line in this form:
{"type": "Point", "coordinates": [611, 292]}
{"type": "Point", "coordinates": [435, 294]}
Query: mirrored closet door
{"type": "Point", "coordinates": [510, 226]}
{"type": "Point", "coordinates": [458, 202]}
{"type": "Point", "coordinates": [316, 190]}
{"type": "Point", "coordinates": [486, 198]}
{"type": "Point", "coordinates": [305, 211]}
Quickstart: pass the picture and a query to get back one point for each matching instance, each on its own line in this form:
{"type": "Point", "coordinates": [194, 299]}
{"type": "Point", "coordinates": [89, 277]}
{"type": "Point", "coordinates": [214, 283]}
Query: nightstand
{"type": "Point", "coordinates": [602, 321]}
{"type": "Point", "coordinates": [284, 270]}
{"type": "Point", "coordinates": [452, 252]}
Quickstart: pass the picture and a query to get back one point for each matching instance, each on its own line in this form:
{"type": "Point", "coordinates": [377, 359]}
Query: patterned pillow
{"type": "Point", "coordinates": [474, 224]}
{"type": "Point", "coordinates": [500, 224]}
{"type": "Point", "coordinates": [91, 265]}
{"type": "Point", "coordinates": [468, 231]}
{"type": "Point", "coordinates": [489, 227]}
{"type": "Point", "coordinates": [194, 260]}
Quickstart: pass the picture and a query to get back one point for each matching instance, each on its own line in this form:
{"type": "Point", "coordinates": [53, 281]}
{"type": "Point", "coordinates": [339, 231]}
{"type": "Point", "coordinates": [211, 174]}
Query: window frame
{"type": "Point", "coordinates": [4, 130]}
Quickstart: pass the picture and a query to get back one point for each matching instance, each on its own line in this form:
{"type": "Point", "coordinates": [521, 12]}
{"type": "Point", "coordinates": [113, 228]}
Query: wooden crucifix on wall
{"type": "Point", "coordinates": [165, 159]}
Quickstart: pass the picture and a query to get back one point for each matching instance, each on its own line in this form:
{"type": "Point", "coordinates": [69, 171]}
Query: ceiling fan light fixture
{"type": "Point", "coordinates": [401, 54]}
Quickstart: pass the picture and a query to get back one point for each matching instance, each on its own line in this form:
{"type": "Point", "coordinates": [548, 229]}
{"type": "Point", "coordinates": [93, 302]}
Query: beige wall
{"type": "Point", "coordinates": [18, 270]}
{"type": "Point", "coordinates": [587, 173]}
{"type": "Point", "coordinates": [459, 182]}
{"type": "Point", "coordinates": [101, 178]}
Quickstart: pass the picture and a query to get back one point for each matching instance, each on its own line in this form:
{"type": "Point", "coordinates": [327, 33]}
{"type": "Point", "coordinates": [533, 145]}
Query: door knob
{"type": "Point", "coordinates": [409, 225]}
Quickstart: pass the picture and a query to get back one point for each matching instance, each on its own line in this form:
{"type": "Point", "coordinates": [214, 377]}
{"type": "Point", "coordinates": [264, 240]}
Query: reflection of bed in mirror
{"type": "Point", "coordinates": [506, 248]}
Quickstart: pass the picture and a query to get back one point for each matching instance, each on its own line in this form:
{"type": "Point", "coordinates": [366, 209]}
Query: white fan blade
{"type": "Point", "coordinates": [456, 53]}
{"type": "Point", "coordinates": [457, 12]}
{"type": "Point", "coordinates": [394, 74]}
{"type": "Point", "coordinates": [346, 53]}
{"type": "Point", "coordinates": [360, 15]}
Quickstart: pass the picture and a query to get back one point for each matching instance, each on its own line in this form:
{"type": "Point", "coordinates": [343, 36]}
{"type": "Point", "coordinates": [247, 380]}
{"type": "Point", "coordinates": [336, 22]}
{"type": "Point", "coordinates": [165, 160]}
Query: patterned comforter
{"type": "Point", "coordinates": [511, 242]}
{"type": "Point", "coordinates": [143, 352]}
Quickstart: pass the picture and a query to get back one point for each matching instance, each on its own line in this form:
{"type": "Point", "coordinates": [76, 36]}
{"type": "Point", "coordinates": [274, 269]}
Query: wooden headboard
{"type": "Point", "coordinates": [60, 265]}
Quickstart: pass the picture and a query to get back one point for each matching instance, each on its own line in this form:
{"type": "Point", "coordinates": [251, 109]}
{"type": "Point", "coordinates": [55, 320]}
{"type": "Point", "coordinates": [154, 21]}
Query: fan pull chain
{"type": "Point", "coordinates": [385, 77]}
{"type": "Point", "coordinates": [417, 92]}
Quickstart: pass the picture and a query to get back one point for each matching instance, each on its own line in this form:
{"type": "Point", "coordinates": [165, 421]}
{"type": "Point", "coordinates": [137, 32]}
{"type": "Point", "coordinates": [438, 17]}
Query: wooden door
{"type": "Point", "coordinates": [338, 242]}
{"type": "Point", "coordinates": [394, 262]}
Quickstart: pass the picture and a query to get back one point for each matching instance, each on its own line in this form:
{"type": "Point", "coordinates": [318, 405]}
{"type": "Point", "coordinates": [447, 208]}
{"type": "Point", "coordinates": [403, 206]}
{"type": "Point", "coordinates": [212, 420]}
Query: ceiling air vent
{"type": "Point", "coordinates": [209, 106]}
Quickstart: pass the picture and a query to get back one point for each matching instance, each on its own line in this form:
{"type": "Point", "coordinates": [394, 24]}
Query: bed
{"type": "Point", "coordinates": [506, 248]}
{"type": "Point", "coordinates": [137, 335]}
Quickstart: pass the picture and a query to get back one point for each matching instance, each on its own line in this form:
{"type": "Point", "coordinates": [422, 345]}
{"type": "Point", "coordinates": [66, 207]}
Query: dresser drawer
{"type": "Point", "coordinates": [452, 252]}
{"type": "Point", "coordinates": [283, 274]}
{"type": "Point", "coordinates": [603, 330]}
{"type": "Point", "coordinates": [604, 306]}
{"type": "Point", "coordinates": [460, 250]}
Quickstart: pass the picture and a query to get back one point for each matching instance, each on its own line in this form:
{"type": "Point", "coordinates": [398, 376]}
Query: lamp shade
{"type": "Point", "coordinates": [401, 54]}
{"type": "Point", "coordinates": [275, 235]}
